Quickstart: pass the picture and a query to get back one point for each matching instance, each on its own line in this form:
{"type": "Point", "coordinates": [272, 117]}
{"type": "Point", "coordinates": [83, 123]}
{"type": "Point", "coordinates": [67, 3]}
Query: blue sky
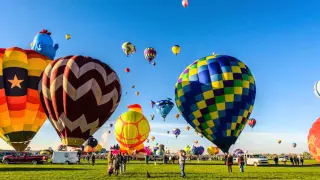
{"type": "Point", "coordinates": [278, 40]}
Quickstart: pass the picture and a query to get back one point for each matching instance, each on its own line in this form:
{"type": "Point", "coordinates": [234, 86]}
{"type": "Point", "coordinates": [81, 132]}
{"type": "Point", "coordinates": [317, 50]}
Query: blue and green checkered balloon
{"type": "Point", "coordinates": [215, 95]}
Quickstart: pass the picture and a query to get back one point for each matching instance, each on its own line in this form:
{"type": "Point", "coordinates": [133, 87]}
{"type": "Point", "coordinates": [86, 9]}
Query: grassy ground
{"type": "Point", "coordinates": [137, 170]}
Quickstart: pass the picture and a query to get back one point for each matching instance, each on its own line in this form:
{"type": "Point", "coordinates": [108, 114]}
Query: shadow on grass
{"type": "Point", "coordinates": [39, 169]}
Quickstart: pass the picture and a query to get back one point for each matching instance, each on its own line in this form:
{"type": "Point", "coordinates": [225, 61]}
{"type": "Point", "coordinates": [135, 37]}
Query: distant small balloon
{"type": "Point", "coordinates": [68, 36]}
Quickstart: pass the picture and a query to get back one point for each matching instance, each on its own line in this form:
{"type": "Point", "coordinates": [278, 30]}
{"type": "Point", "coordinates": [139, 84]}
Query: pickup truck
{"type": "Point", "coordinates": [23, 158]}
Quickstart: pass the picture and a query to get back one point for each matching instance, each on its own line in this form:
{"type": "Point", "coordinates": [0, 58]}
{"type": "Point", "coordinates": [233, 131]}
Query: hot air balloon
{"type": "Point", "coordinates": [314, 140]}
{"type": "Point", "coordinates": [188, 128]}
{"type": "Point", "coordinates": [21, 113]}
{"type": "Point", "coordinates": [68, 36]}
{"type": "Point", "coordinates": [110, 125]}
{"type": "Point", "coordinates": [154, 63]}
{"type": "Point", "coordinates": [213, 150]}
{"type": "Point", "coordinates": [185, 3]}
{"type": "Point", "coordinates": [200, 150]}
{"type": "Point", "coordinates": [132, 127]}
{"type": "Point", "coordinates": [195, 141]}
{"type": "Point", "coordinates": [150, 53]}
{"type": "Point", "coordinates": [46, 152]}
{"type": "Point", "coordinates": [127, 70]}
{"type": "Point", "coordinates": [316, 89]}
{"type": "Point", "coordinates": [215, 95]}
{"type": "Point", "coordinates": [137, 93]}
{"type": "Point", "coordinates": [177, 116]}
{"type": "Point", "coordinates": [148, 141]}
{"type": "Point", "coordinates": [294, 145]}
{"type": "Point", "coordinates": [43, 44]}
{"type": "Point", "coordinates": [91, 95]}
{"type": "Point", "coordinates": [128, 48]}
{"type": "Point", "coordinates": [133, 86]}
{"type": "Point", "coordinates": [153, 138]}
{"type": "Point", "coordinates": [176, 132]}
{"type": "Point", "coordinates": [187, 149]}
{"type": "Point", "coordinates": [163, 107]}
{"type": "Point", "coordinates": [152, 116]}
{"type": "Point", "coordinates": [252, 122]}
{"type": "Point", "coordinates": [109, 132]}
{"type": "Point", "coordinates": [90, 144]}
{"type": "Point", "coordinates": [279, 141]}
{"type": "Point", "coordinates": [168, 132]}
{"type": "Point", "coordinates": [237, 152]}
{"type": "Point", "coordinates": [176, 49]}
{"type": "Point", "coordinates": [98, 148]}
{"type": "Point", "coordinates": [201, 136]}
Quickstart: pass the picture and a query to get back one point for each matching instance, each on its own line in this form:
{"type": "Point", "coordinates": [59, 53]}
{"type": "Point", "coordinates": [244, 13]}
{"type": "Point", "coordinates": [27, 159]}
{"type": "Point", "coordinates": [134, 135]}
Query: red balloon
{"type": "Point", "coordinates": [314, 140]}
{"type": "Point", "coordinates": [127, 70]}
{"type": "Point", "coordinates": [252, 122]}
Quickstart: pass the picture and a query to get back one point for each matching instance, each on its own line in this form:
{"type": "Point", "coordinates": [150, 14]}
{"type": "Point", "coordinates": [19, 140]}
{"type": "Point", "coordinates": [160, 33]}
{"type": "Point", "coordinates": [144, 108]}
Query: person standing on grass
{"type": "Point", "coordinates": [182, 162]}
{"type": "Point", "coordinates": [124, 163]}
{"type": "Point", "coordinates": [241, 163]}
{"type": "Point", "coordinates": [276, 160]}
{"type": "Point", "coordinates": [93, 158]}
{"type": "Point", "coordinates": [173, 158]}
{"type": "Point", "coordinates": [110, 162]}
{"type": "Point", "coordinates": [225, 158]}
{"type": "Point", "coordinates": [229, 162]}
{"type": "Point", "coordinates": [301, 160]}
{"type": "Point", "coordinates": [116, 164]}
{"type": "Point", "coordinates": [120, 160]}
{"type": "Point", "coordinates": [291, 160]}
{"type": "Point", "coordinates": [88, 158]}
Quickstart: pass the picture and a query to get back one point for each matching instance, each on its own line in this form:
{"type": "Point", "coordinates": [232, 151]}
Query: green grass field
{"type": "Point", "coordinates": [137, 170]}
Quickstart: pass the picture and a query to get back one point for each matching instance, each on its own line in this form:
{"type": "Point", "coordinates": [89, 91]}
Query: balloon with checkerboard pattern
{"type": "Point", "coordinates": [215, 95]}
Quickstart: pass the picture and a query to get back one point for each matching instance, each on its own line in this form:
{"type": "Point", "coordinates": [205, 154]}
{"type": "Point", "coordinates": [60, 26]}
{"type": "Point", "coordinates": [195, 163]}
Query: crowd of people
{"type": "Point", "coordinates": [117, 163]}
{"type": "Point", "coordinates": [295, 160]}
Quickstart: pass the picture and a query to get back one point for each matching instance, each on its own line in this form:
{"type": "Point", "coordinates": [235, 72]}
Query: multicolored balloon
{"type": "Point", "coordinates": [176, 132]}
{"type": "Point", "coordinates": [314, 140]}
{"type": "Point", "coordinates": [90, 145]}
{"type": "Point", "coordinates": [187, 149]}
{"type": "Point", "coordinates": [176, 49]}
{"type": "Point", "coordinates": [188, 128]}
{"type": "Point", "coordinates": [252, 122]}
{"type": "Point", "coordinates": [163, 107]}
{"type": "Point", "coordinates": [237, 152]}
{"type": "Point", "coordinates": [152, 116]}
{"type": "Point", "coordinates": [79, 94]}
{"type": "Point", "coordinates": [177, 116]}
{"type": "Point", "coordinates": [150, 53]}
{"type": "Point", "coordinates": [215, 95]}
{"type": "Point", "coordinates": [279, 141]}
{"type": "Point", "coordinates": [68, 36]}
{"type": "Point", "coordinates": [212, 150]}
{"type": "Point", "coordinates": [128, 48]}
{"type": "Point", "coordinates": [21, 113]}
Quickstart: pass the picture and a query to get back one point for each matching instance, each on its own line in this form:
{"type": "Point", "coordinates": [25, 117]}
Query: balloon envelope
{"type": "Point", "coordinates": [21, 113]}
{"type": "Point", "coordinates": [163, 107]}
{"type": "Point", "coordinates": [314, 140]}
{"type": "Point", "coordinates": [215, 95]}
{"type": "Point", "coordinates": [91, 95]}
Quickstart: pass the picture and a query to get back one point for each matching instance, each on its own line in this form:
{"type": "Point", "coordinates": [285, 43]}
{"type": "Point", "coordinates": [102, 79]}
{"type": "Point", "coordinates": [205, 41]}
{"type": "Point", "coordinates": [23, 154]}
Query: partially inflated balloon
{"type": "Point", "coordinates": [314, 140]}
{"type": "Point", "coordinates": [215, 95]}
{"type": "Point", "coordinates": [21, 113]}
{"type": "Point", "coordinates": [79, 94]}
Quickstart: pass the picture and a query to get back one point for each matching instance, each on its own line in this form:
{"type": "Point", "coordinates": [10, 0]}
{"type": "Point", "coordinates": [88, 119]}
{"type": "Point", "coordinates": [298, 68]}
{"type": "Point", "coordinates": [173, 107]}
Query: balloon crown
{"type": "Point", "coordinates": [44, 31]}
{"type": "Point", "coordinates": [134, 106]}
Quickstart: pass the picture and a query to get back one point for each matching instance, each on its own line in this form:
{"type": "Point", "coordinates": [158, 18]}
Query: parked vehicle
{"type": "Point", "coordinates": [23, 158]}
{"type": "Point", "coordinates": [256, 159]}
{"type": "Point", "coordinates": [2, 154]}
{"type": "Point", "coordinates": [283, 159]}
{"type": "Point", "coordinates": [65, 157]}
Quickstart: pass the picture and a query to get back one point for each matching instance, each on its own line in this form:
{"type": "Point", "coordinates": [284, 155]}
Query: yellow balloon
{"type": "Point", "coordinates": [132, 128]}
{"type": "Point", "coordinates": [68, 36]}
{"type": "Point", "coordinates": [98, 148]}
{"type": "Point", "coordinates": [176, 49]}
{"type": "Point", "coordinates": [213, 150]}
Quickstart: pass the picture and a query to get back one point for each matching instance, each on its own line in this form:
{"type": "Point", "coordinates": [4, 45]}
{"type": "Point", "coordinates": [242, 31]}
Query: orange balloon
{"type": "Point", "coordinates": [314, 140]}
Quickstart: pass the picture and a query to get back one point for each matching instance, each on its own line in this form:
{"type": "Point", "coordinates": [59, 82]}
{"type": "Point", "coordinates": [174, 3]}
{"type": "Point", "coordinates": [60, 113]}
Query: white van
{"type": "Point", "coordinates": [65, 157]}
{"type": "Point", "coordinates": [256, 160]}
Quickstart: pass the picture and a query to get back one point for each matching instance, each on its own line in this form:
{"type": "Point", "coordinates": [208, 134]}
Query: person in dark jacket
{"type": "Point", "coordinates": [291, 160]}
{"type": "Point", "coordinates": [241, 163]}
{"type": "Point", "coordinates": [276, 160]}
{"type": "Point", "coordinates": [225, 159]}
{"type": "Point", "coordinates": [230, 162]}
{"type": "Point", "coordinates": [93, 158]}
